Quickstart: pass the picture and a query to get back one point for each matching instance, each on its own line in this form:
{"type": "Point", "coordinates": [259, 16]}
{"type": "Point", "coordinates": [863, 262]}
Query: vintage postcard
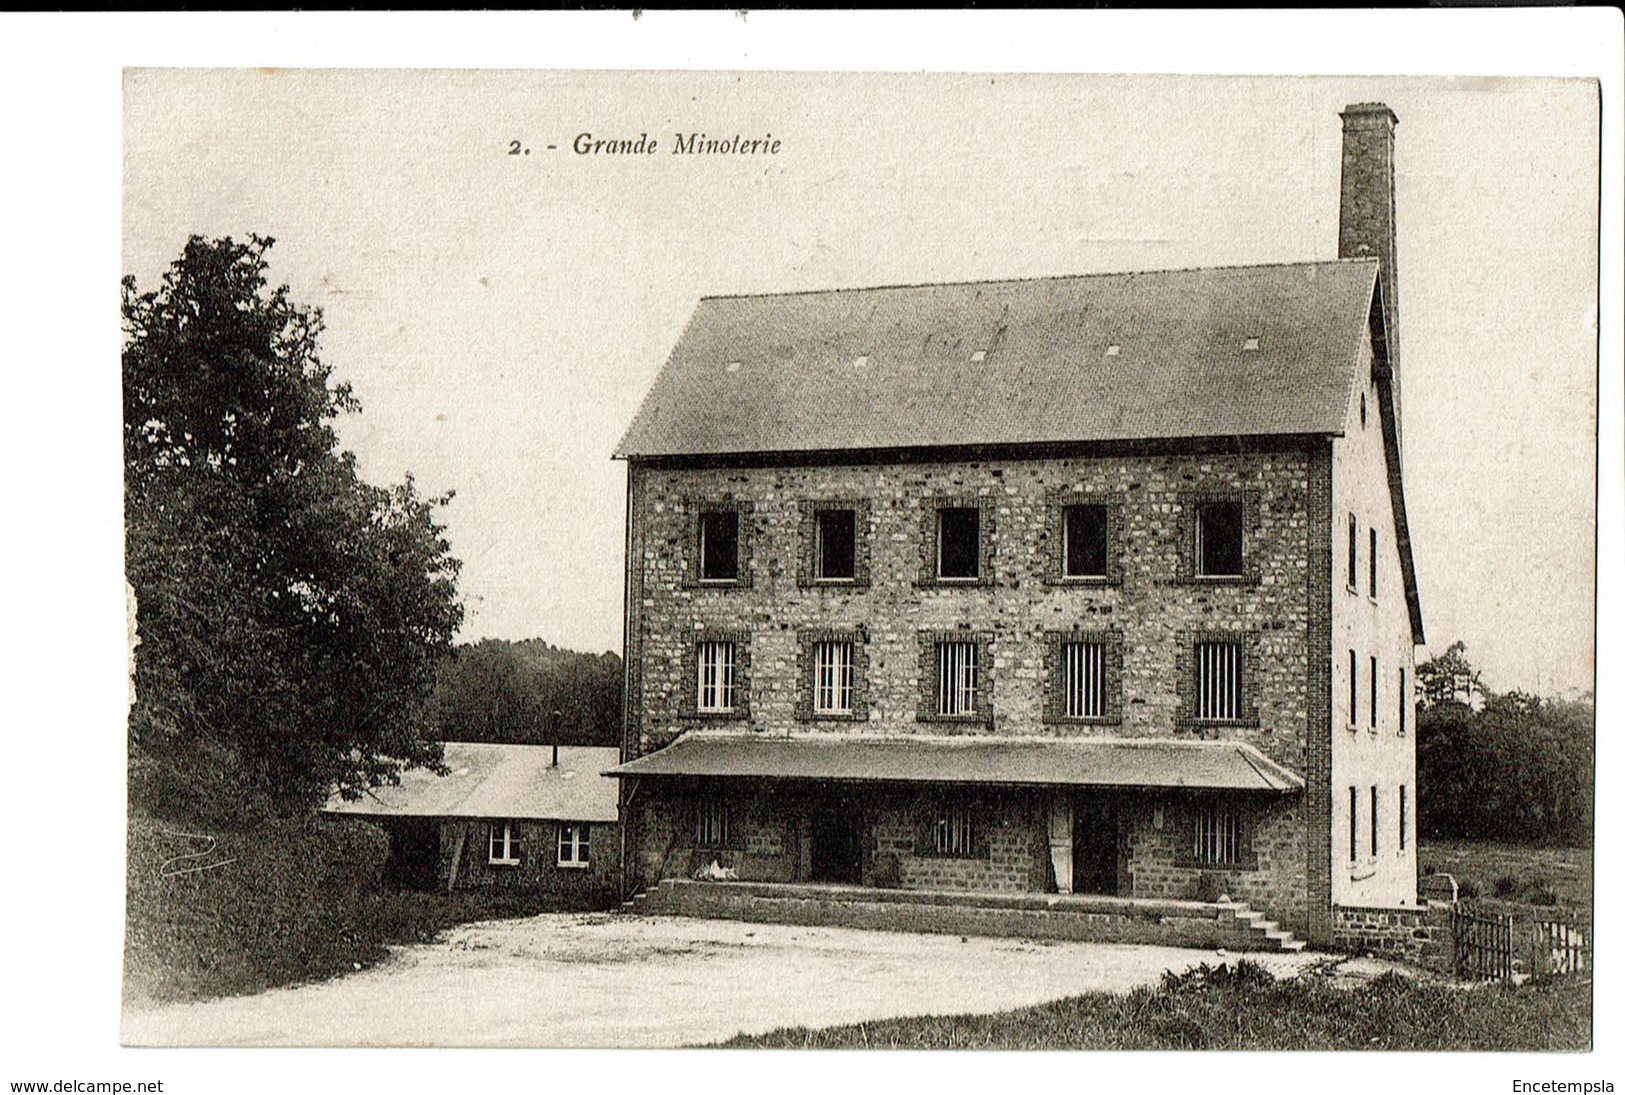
{"type": "Point", "coordinates": [1107, 559]}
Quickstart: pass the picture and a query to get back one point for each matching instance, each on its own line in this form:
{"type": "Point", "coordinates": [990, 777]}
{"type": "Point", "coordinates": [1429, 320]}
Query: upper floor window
{"type": "Point", "coordinates": [1354, 552]}
{"type": "Point", "coordinates": [1084, 541]}
{"type": "Point", "coordinates": [1218, 539]}
{"type": "Point", "coordinates": [1354, 824]}
{"type": "Point", "coordinates": [956, 683]}
{"type": "Point", "coordinates": [959, 543]}
{"type": "Point", "coordinates": [835, 550]}
{"type": "Point", "coordinates": [716, 662]}
{"type": "Point", "coordinates": [1354, 690]}
{"type": "Point", "coordinates": [1404, 700]}
{"type": "Point", "coordinates": [503, 848]}
{"type": "Point", "coordinates": [1218, 681]}
{"type": "Point", "coordinates": [833, 676]}
{"type": "Point", "coordinates": [719, 545]}
{"type": "Point", "coordinates": [575, 844]}
{"type": "Point", "coordinates": [1372, 557]}
{"type": "Point", "coordinates": [1083, 680]}
{"type": "Point", "coordinates": [1373, 704]}
{"type": "Point", "coordinates": [1218, 836]}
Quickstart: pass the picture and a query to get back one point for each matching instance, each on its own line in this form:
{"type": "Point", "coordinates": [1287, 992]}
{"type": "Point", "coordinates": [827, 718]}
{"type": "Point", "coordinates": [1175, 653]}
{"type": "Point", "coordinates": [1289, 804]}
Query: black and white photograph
{"type": "Point", "coordinates": [668, 556]}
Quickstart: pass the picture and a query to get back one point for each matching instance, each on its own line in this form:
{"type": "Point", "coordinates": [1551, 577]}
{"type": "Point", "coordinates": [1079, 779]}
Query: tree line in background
{"type": "Point", "coordinates": [1500, 766]}
{"type": "Point", "coordinates": [529, 693]}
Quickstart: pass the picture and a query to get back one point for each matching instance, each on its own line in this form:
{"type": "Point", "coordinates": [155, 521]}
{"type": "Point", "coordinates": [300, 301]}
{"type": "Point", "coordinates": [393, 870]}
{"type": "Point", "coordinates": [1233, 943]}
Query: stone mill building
{"type": "Point", "coordinates": [1079, 601]}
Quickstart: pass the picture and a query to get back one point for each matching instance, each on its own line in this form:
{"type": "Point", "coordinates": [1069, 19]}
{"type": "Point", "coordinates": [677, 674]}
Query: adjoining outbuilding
{"type": "Point", "coordinates": [535, 818]}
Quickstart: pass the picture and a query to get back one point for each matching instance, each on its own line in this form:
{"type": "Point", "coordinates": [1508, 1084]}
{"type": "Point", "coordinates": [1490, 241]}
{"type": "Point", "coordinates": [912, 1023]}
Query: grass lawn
{"type": "Point", "coordinates": [1246, 1008]}
{"type": "Point", "coordinates": [1513, 872]}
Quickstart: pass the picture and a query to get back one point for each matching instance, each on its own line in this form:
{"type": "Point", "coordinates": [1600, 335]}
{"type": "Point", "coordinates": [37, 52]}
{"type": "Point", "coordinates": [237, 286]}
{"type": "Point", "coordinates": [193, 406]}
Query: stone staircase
{"type": "Point", "coordinates": [1208, 925]}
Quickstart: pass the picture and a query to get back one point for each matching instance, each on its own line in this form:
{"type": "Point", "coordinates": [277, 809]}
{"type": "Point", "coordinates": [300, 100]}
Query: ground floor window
{"type": "Point", "coordinates": [574, 844]}
{"type": "Point", "coordinates": [1402, 817]}
{"type": "Point", "coordinates": [1218, 836]}
{"type": "Point", "coordinates": [951, 832]}
{"type": "Point", "coordinates": [502, 843]}
{"type": "Point", "coordinates": [711, 824]}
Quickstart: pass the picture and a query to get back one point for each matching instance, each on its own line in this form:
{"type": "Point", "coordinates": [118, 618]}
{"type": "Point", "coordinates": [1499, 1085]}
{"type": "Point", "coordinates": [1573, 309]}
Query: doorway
{"type": "Point", "coordinates": [837, 845]}
{"type": "Point", "coordinates": [1094, 845]}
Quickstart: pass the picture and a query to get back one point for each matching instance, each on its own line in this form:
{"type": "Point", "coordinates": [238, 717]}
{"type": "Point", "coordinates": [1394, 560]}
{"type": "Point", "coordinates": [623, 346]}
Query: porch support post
{"type": "Point", "coordinates": [1060, 840]}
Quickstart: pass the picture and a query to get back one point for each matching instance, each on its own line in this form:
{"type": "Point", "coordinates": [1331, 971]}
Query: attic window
{"type": "Point", "coordinates": [1250, 345]}
{"type": "Point", "coordinates": [1111, 351]}
{"type": "Point", "coordinates": [733, 366]}
{"type": "Point", "coordinates": [979, 355]}
{"type": "Point", "coordinates": [1362, 408]}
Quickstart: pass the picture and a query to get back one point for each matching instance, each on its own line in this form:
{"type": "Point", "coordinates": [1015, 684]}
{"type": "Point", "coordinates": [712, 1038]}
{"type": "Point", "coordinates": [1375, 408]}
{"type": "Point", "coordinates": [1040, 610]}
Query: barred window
{"type": "Point", "coordinates": [1218, 681]}
{"type": "Point", "coordinates": [956, 678]}
{"type": "Point", "coordinates": [1084, 535]}
{"type": "Point", "coordinates": [1218, 836]}
{"type": "Point", "coordinates": [951, 832]}
{"type": "Point", "coordinates": [832, 678]}
{"type": "Point", "coordinates": [574, 844]}
{"type": "Point", "coordinates": [716, 662]}
{"type": "Point", "coordinates": [1218, 539]}
{"type": "Point", "coordinates": [711, 824]}
{"type": "Point", "coordinates": [501, 849]}
{"type": "Point", "coordinates": [719, 546]}
{"type": "Point", "coordinates": [1083, 680]}
{"type": "Point", "coordinates": [835, 558]}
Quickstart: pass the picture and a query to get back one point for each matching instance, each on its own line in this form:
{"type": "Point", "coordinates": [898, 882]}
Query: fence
{"type": "Point", "coordinates": [1489, 944]}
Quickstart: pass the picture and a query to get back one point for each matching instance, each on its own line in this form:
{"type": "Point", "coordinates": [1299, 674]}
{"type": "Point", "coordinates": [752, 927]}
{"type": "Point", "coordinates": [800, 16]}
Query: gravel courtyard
{"type": "Point", "coordinates": [609, 980]}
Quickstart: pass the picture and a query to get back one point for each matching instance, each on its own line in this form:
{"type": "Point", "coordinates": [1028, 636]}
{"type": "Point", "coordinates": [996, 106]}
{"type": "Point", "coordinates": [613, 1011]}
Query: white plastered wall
{"type": "Point", "coordinates": [1366, 756]}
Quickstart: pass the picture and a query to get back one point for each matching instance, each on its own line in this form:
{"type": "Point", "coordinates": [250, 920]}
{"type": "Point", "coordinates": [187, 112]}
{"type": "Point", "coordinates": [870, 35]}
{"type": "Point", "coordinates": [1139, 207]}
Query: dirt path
{"type": "Point", "coordinates": [600, 980]}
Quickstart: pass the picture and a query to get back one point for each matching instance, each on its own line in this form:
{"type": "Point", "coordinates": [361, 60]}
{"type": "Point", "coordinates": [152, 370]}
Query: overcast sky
{"type": "Point", "coordinates": [501, 316]}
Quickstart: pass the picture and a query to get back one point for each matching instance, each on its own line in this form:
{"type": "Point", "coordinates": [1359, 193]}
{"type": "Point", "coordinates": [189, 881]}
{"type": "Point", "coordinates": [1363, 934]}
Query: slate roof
{"type": "Point", "coordinates": [896, 368]}
{"type": "Point", "coordinates": [1090, 762]}
{"type": "Point", "coordinates": [501, 781]}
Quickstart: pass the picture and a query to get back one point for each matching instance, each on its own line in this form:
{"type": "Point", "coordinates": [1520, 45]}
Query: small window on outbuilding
{"type": "Point", "coordinates": [575, 847]}
{"type": "Point", "coordinates": [959, 545]}
{"type": "Point", "coordinates": [1218, 539]}
{"type": "Point", "coordinates": [503, 847]}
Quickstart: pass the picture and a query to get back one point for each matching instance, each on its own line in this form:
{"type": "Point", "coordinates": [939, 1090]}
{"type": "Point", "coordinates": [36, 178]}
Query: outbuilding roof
{"type": "Point", "coordinates": [1170, 354]}
{"type": "Point", "coordinates": [500, 781]}
{"type": "Point", "coordinates": [1086, 762]}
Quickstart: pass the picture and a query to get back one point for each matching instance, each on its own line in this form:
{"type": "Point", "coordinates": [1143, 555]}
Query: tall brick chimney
{"type": "Point", "coordinates": [1366, 211]}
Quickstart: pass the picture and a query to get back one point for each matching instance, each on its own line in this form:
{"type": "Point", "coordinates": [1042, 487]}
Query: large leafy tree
{"type": "Point", "coordinates": [291, 615]}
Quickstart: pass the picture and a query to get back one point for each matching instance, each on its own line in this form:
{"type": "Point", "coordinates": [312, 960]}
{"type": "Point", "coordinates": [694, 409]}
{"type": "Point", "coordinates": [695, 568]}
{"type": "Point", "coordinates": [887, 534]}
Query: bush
{"type": "Point", "coordinates": [1246, 974]}
{"type": "Point", "coordinates": [1505, 886]}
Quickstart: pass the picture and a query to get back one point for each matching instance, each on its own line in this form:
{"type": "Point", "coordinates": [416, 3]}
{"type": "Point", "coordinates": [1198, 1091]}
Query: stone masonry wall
{"type": "Point", "coordinates": [1417, 934]}
{"type": "Point", "coordinates": [1151, 601]}
{"type": "Point", "coordinates": [1150, 604]}
{"type": "Point", "coordinates": [1161, 861]}
{"type": "Point", "coordinates": [535, 845]}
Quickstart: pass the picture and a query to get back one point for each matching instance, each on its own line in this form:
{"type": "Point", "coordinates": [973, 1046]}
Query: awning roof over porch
{"type": "Point", "coordinates": [1096, 762]}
